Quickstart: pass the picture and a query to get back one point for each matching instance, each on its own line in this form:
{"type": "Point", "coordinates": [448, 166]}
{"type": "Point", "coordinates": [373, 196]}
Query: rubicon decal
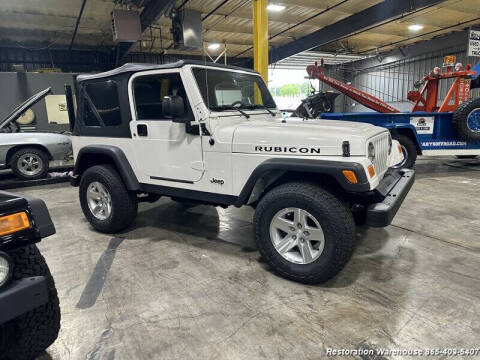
{"type": "Point", "coordinates": [288, 149]}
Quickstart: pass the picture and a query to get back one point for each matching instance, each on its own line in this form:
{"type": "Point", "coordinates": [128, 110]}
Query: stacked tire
{"type": "Point", "coordinates": [466, 120]}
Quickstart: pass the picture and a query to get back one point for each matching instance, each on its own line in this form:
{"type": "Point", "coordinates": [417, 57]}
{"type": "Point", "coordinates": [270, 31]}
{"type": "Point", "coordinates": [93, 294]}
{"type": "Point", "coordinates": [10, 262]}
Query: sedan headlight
{"type": "Point", "coordinates": [371, 152]}
{"type": "Point", "coordinates": [5, 268]}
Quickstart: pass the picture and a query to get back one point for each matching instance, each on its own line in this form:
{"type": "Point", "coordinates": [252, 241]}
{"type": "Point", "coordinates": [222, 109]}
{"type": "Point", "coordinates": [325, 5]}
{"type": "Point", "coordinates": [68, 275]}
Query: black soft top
{"type": "Point", "coordinates": [136, 67]}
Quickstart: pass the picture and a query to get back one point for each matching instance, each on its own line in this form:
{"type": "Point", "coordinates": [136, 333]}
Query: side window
{"type": "Point", "coordinates": [150, 90]}
{"type": "Point", "coordinates": [101, 106]}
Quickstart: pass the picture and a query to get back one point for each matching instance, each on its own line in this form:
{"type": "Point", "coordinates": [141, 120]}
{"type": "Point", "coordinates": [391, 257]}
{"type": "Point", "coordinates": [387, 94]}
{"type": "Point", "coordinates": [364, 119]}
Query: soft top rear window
{"type": "Point", "coordinates": [101, 97]}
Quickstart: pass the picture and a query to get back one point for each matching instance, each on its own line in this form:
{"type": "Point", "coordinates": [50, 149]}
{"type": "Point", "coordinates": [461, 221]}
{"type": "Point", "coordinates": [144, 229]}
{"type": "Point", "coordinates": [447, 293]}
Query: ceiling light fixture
{"type": "Point", "coordinates": [415, 27]}
{"type": "Point", "coordinates": [275, 7]}
{"type": "Point", "coordinates": [213, 46]}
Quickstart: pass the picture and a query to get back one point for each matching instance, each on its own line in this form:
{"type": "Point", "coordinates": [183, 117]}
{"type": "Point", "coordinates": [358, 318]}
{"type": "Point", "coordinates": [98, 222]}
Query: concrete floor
{"type": "Point", "coordinates": [188, 284]}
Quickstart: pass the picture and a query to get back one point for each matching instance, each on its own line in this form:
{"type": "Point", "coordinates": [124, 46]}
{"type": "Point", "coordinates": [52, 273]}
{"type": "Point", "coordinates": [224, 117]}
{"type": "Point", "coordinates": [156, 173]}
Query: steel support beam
{"type": "Point", "coordinates": [150, 14]}
{"type": "Point", "coordinates": [362, 20]}
{"type": "Point", "coordinates": [260, 37]}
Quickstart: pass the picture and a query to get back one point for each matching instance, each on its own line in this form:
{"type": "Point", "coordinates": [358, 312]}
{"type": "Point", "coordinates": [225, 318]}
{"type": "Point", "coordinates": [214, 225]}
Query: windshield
{"type": "Point", "coordinates": [224, 90]}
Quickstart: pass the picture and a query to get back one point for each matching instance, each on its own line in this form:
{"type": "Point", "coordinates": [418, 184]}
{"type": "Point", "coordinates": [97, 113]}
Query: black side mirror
{"type": "Point", "coordinates": [174, 107]}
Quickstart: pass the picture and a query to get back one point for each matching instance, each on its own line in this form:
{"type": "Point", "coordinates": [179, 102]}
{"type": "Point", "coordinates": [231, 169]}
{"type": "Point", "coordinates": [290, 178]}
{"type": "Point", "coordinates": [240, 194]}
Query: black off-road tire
{"type": "Point", "coordinates": [409, 151]}
{"type": "Point", "coordinates": [335, 219]}
{"type": "Point", "coordinates": [124, 202]}
{"type": "Point", "coordinates": [460, 120]}
{"type": "Point", "coordinates": [33, 332]}
{"type": "Point", "coordinates": [34, 151]}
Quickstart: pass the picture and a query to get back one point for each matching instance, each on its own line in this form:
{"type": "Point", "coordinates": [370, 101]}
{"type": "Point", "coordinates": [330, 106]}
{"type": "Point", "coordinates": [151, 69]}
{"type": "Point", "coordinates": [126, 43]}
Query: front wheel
{"type": "Point", "coordinates": [303, 232]}
{"type": "Point", "coordinates": [105, 201]}
{"type": "Point", "coordinates": [409, 150]}
{"type": "Point", "coordinates": [27, 336]}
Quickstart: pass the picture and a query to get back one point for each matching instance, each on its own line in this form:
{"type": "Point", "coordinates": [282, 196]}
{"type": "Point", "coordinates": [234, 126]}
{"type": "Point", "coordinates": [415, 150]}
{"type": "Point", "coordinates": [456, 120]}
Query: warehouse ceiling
{"type": "Point", "coordinates": [49, 24]}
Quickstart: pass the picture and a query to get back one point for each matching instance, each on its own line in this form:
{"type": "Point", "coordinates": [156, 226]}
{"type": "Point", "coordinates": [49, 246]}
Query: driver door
{"type": "Point", "coordinates": [165, 153]}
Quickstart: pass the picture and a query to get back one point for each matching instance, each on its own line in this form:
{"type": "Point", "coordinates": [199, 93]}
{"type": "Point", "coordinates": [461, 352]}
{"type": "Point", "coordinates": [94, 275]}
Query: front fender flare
{"type": "Point", "coordinates": [322, 167]}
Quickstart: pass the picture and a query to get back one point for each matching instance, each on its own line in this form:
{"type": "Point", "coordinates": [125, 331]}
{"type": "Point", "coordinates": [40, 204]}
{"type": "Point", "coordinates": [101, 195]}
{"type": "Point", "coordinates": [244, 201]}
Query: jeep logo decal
{"type": "Point", "coordinates": [217, 181]}
{"type": "Point", "coordinates": [288, 149]}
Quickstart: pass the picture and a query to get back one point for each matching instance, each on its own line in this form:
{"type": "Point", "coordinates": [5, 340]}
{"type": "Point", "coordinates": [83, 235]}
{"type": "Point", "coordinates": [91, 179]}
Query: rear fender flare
{"type": "Point", "coordinates": [115, 154]}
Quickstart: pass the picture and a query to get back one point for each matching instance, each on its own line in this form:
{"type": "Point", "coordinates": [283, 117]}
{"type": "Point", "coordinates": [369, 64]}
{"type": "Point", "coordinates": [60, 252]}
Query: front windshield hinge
{"type": "Point", "coordinates": [346, 148]}
{"type": "Point", "coordinates": [204, 129]}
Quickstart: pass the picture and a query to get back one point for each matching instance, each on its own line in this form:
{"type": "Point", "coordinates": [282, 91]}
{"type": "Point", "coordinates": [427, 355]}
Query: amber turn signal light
{"type": "Point", "coordinates": [371, 170]}
{"type": "Point", "coordinates": [400, 149]}
{"type": "Point", "coordinates": [350, 176]}
{"type": "Point", "coordinates": [13, 223]}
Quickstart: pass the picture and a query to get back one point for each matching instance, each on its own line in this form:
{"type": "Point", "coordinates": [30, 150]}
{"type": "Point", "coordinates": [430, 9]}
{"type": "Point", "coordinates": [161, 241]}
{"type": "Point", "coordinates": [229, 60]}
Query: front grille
{"type": "Point", "coordinates": [381, 152]}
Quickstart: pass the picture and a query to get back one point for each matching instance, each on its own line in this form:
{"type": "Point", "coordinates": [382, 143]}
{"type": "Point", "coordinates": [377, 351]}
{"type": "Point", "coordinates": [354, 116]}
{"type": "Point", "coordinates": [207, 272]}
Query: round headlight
{"type": "Point", "coordinates": [371, 152]}
{"type": "Point", "coordinates": [5, 268]}
{"type": "Point", "coordinates": [390, 144]}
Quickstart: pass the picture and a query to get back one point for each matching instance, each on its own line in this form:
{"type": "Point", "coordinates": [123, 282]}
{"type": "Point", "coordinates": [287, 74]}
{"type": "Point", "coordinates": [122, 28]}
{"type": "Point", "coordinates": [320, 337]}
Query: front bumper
{"type": "Point", "coordinates": [393, 188]}
{"type": "Point", "coordinates": [22, 296]}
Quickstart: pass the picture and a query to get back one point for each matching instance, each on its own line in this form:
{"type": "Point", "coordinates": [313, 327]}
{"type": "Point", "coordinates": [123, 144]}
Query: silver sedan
{"type": "Point", "coordinates": [28, 154]}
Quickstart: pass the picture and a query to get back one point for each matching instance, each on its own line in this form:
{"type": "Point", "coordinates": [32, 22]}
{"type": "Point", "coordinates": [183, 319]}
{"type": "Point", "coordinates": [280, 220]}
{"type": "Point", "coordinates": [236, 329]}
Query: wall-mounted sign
{"type": "Point", "coordinates": [57, 109]}
{"type": "Point", "coordinates": [449, 60]}
{"type": "Point", "coordinates": [474, 43]}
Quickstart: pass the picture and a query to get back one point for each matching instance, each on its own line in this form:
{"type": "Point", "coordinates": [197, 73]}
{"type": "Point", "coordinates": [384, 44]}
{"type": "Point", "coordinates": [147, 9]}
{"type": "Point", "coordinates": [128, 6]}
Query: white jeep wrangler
{"type": "Point", "coordinates": [212, 134]}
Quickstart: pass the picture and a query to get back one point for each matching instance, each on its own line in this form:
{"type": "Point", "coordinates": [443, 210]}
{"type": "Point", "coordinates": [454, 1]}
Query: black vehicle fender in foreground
{"type": "Point", "coordinates": [21, 296]}
{"type": "Point", "coordinates": [39, 217]}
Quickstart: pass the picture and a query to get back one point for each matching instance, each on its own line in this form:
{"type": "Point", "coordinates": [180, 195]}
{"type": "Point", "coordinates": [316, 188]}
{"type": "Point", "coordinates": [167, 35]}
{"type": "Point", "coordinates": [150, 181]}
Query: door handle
{"type": "Point", "coordinates": [142, 130]}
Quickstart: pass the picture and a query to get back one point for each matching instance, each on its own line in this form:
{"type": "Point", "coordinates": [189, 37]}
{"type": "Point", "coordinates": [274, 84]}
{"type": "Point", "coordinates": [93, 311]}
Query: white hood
{"type": "Point", "coordinates": [296, 136]}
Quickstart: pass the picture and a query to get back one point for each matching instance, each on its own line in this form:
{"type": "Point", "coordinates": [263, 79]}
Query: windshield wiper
{"type": "Point", "coordinates": [223, 108]}
{"type": "Point", "coordinates": [261, 106]}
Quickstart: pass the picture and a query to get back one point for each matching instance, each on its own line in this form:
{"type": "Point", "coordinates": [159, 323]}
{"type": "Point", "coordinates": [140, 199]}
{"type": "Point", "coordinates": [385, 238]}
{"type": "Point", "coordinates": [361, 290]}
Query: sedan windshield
{"type": "Point", "coordinates": [229, 90]}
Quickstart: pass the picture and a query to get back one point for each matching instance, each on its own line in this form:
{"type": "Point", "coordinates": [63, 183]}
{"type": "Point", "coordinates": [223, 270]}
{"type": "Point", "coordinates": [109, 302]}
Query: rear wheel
{"type": "Point", "coordinates": [105, 201]}
{"type": "Point", "coordinates": [30, 163]}
{"type": "Point", "coordinates": [409, 150]}
{"type": "Point", "coordinates": [30, 334]}
{"type": "Point", "coordinates": [303, 232]}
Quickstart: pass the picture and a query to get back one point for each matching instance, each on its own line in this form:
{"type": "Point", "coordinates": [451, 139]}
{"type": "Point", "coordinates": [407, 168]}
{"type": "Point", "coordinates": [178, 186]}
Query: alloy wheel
{"type": "Point", "coordinates": [30, 164]}
{"type": "Point", "coordinates": [99, 200]}
{"type": "Point", "coordinates": [297, 235]}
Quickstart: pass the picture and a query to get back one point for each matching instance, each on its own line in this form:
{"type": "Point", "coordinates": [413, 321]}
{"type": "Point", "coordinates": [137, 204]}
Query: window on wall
{"type": "Point", "coordinates": [101, 104]}
{"type": "Point", "coordinates": [150, 90]}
